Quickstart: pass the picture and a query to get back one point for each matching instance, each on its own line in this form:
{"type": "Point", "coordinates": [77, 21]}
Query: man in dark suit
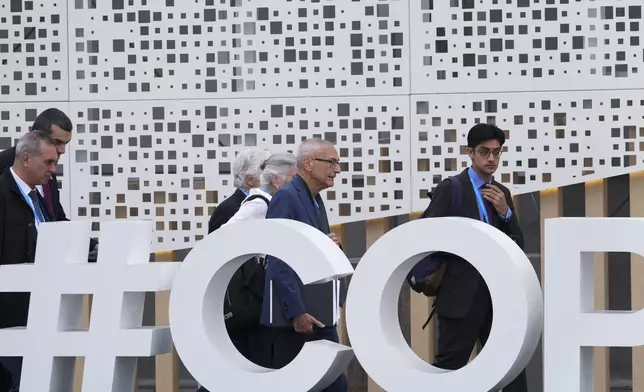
{"type": "Point", "coordinates": [317, 166]}
{"type": "Point", "coordinates": [246, 176]}
{"type": "Point", "coordinates": [22, 211]}
{"type": "Point", "coordinates": [59, 127]}
{"type": "Point", "coordinates": [463, 303]}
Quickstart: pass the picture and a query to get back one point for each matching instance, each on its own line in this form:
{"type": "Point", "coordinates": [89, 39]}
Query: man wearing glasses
{"type": "Point", "coordinates": [318, 164]}
{"type": "Point", "coordinates": [463, 303]}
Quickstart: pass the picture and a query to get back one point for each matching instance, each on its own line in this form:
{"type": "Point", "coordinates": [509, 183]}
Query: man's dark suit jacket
{"type": "Point", "coordinates": [293, 201]}
{"type": "Point", "coordinates": [456, 293]}
{"type": "Point", "coordinates": [225, 210]}
{"type": "Point", "coordinates": [17, 245]}
{"type": "Point", "coordinates": [56, 211]}
{"type": "Point", "coordinates": [8, 156]}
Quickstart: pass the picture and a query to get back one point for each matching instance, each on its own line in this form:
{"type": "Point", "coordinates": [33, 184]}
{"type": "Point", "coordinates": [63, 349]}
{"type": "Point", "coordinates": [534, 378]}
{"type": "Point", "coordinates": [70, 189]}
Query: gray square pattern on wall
{"type": "Point", "coordinates": [33, 51]}
{"type": "Point", "coordinates": [215, 49]}
{"type": "Point", "coordinates": [165, 93]}
{"type": "Point", "coordinates": [463, 46]}
{"type": "Point", "coordinates": [171, 161]}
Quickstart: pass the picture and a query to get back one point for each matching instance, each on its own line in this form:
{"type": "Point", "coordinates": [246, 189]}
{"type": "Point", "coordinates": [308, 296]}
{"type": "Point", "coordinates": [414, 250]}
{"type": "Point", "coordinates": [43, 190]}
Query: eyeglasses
{"type": "Point", "coordinates": [485, 152]}
{"type": "Point", "coordinates": [332, 162]}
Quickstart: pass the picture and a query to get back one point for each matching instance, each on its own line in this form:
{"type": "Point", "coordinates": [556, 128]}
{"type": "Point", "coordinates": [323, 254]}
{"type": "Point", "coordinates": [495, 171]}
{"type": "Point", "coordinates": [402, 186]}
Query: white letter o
{"type": "Point", "coordinates": [372, 306]}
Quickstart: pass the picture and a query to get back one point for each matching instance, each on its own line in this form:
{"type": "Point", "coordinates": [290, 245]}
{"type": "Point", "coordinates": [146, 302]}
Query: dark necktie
{"type": "Point", "coordinates": [33, 195]}
{"type": "Point", "coordinates": [491, 211]}
{"type": "Point", "coordinates": [489, 208]}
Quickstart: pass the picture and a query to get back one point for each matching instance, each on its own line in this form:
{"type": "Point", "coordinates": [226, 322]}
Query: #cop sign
{"type": "Point", "coordinates": [61, 275]}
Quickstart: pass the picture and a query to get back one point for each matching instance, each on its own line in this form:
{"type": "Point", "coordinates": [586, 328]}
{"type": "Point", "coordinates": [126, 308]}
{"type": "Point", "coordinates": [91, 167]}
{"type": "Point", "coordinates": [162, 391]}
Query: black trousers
{"type": "Point", "coordinates": [457, 337]}
{"type": "Point", "coordinates": [287, 345]}
{"type": "Point", "coordinates": [254, 343]}
{"type": "Point", "coordinates": [10, 370]}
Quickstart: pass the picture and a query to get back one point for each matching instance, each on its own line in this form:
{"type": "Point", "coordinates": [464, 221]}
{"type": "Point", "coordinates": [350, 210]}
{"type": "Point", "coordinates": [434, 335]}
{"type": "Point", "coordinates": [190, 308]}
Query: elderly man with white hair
{"type": "Point", "coordinates": [246, 171]}
{"type": "Point", "coordinates": [318, 164]}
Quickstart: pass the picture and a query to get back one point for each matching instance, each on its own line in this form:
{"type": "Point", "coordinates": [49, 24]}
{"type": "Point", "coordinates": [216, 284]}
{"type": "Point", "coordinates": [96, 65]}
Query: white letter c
{"type": "Point", "coordinates": [197, 314]}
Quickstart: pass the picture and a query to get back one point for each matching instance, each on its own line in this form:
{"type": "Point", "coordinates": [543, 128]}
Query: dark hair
{"type": "Point", "coordinates": [480, 133]}
{"type": "Point", "coordinates": [51, 117]}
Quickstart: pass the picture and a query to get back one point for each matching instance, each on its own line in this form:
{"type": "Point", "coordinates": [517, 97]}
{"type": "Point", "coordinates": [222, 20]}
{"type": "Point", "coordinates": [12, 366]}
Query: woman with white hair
{"type": "Point", "coordinates": [276, 171]}
{"type": "Point", "coordinates": [246, 171]}
{"type": "Point", "coordinates": [244, 294]}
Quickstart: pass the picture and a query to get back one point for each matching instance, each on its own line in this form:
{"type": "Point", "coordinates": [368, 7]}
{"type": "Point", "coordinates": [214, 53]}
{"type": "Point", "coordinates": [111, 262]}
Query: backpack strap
{"type": "Point", "coordinates": [257, 196]}
{"type": "Point", "coordinates": [456, 197]}
{"type": "Point", "coordinates": [454, 209]}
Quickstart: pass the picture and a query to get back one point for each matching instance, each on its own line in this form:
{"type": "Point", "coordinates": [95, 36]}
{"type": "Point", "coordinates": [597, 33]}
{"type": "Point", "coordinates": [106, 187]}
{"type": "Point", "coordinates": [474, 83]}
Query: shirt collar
{"type": "Point", "coordinates": [477, 181]}
{"type": "Point", "coordinates": [23, 185]}
{"type": "Point", "coordinates": [260, 191]}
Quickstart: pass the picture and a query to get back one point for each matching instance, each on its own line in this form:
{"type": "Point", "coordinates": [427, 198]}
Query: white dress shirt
{"type": "Point", "coordinates": [253, 209]}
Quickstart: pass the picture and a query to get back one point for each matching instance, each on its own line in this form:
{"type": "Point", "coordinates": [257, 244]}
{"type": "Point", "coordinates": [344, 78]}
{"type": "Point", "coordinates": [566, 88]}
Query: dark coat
{"type": "Point", "coordinates": [18, 237]}
{"type": "Point", "coordinates": [293, 201]}
{"type": "Point", "coordinates": [225, 210]}
{"type": "Point", "coordinates": [56, 211]}
{"type": "Point", "coordinates": [8, 156]}
{"type": "Point", "coordinates": [456, 293]}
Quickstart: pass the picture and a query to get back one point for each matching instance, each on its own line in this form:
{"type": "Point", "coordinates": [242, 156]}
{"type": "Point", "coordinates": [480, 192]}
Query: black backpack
{"type": "Point", "coordinates": [245, 292]}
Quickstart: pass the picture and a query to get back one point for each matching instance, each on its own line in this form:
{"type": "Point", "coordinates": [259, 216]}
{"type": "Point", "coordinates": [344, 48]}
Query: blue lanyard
{"type": "Point", "coordinates": [31, 205]}
{"type": "Point", "coordinates": [480, 201]}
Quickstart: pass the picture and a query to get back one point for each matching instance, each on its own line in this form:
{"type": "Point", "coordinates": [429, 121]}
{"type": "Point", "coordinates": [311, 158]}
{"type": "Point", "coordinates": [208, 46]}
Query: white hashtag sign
{"type": "Point", "coordinates": [57, 280]}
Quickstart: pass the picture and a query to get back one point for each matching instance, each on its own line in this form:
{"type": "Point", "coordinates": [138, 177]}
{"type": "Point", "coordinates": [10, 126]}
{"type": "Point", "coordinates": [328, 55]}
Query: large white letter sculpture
{"type": "Point", "coordinates": [122, 274]}
{"type": "Point", "coordinates": [57, 280]}
{"type": "Point", "coordinates": [372, 306]}
{"type": "Point", "coordinates": [572, 326]}
{"type": "Point", "coordinates": [197, 300]}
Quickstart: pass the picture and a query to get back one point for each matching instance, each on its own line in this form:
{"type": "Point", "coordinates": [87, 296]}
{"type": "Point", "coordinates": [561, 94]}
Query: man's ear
{"type": "Point", "coordinates": [306, 164]}
{"type": "Point", "coordinates": [24, 158]}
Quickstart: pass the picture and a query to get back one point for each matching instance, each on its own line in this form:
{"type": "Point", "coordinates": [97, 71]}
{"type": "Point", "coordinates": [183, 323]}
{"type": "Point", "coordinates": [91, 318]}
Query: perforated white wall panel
{"type": "Point", "coordinates": [171, 160]}
{"type": "Point", "coordinates": [237, 48]}
{"type": "Point", "coordinates": [464, 46]}
{"type": "Point", "coordinates": [554, 139]}
{"type": "Point", "coordinates": [164, 93]}
{"type": "Point", "coordinates": [33, 51]}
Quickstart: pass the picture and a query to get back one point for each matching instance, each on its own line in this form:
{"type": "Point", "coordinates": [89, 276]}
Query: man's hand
{"type": "Point", "coordinates": [334, 238]}
{"type": "Point", "coordinates": [494, 195]}
{"type": "Point", "coordinates": [304, 323]}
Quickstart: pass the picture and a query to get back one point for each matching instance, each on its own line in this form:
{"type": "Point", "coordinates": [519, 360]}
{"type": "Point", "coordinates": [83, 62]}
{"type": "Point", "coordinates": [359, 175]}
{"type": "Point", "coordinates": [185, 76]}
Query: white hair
{"type": "Point", "coordinates": [30, 143]}
{"type": "Point", "coordinates": [276, 166]}
{"type": "Point", "coordinates": [308, 148]}
{"type": "Point", "coordinates": [247, 164]}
